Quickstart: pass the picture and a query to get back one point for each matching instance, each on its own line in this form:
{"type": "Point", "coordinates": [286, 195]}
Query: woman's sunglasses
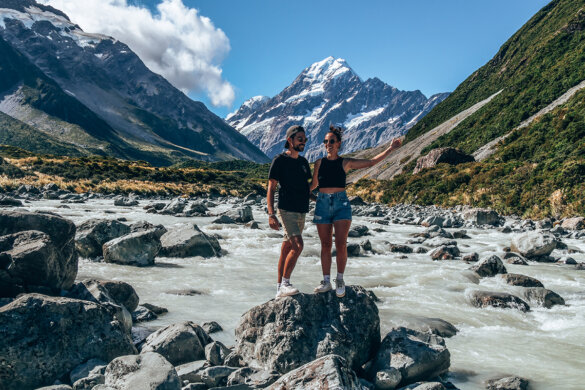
{"type": "Point", "coordinates": [329, 141]}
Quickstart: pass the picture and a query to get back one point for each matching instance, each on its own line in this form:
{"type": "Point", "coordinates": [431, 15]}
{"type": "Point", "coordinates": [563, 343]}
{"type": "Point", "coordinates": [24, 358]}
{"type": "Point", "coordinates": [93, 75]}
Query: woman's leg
{"type": "Point", "coordinates": [341, 231]}
{"type": "Point", "coordinates": [326, 236]}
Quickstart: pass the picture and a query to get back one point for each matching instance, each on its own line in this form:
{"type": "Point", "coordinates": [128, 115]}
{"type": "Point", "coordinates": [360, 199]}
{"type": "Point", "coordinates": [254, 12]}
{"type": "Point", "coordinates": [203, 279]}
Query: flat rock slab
{"type": "Point", "coordinates": [286, 333]}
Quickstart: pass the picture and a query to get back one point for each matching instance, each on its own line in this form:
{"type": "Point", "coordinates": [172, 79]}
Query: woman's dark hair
{"type": "Point", "coordinates": [338, 131]}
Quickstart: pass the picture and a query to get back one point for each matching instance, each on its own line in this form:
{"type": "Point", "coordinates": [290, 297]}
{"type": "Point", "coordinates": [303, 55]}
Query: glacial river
{"type": "Point", "coordinates": [545, 346]}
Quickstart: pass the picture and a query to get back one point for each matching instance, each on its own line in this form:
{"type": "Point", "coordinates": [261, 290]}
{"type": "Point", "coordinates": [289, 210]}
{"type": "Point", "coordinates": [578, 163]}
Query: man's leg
{"type": "Point", "coordinates": [284, 251]}
{"type": "Point", "coordinates": [296, 247]}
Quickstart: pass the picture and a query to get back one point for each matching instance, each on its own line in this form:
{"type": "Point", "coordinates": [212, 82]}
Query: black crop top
{"type": "Point", "coordinates": [331, 173]}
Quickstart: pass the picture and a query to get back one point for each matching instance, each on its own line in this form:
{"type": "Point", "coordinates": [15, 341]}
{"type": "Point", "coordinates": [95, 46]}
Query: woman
{"type": "Point", "coordinates": [333, 211]}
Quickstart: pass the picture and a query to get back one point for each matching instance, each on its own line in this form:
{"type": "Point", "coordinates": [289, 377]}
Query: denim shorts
{"type": "Point", "coordinates": [332, 207]}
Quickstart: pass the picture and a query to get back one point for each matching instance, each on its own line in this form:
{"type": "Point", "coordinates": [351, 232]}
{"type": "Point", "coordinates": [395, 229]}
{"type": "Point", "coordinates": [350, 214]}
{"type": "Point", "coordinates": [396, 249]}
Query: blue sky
{"type": "Point", "coordinates": [428, 45]}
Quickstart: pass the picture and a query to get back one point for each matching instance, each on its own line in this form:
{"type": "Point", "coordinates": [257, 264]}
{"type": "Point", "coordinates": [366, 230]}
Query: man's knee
{"type": "Point", "coordinates": [297, 244]}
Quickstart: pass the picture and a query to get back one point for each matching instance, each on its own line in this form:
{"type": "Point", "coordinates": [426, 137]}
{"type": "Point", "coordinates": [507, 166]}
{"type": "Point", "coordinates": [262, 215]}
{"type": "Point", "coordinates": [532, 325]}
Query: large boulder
{"type": "Point", "coordinates": [521, 280]}
{"type": "Point", "coordinates": [176, 206]}
{"type": "Point", "coordinates": [489, 266]}
{"type": "Point", "coordinates": [286, 333]}
{"type": "Point", "coordinates": [44, 338]}
{"type": "Point", "coordinates": [61, 233]}
{"type": "Point", "coordinates": [94, 233]}
{"type": "Point", "coordinates": [188, 241]}
{"type": "Point", "coordinates": [441, 155]}
{"type": "Point", "coordinates": [417, 356]}
{"type": "Point", "coordinates": [179, 343]}
{"type": "Point", "coordinates": [534, 244]}
{"type": "Point", "coordinates": [481, 217]}
{"type": "Point", "coordinates": [241, 214]}
{"type": "Point", "coordinates": [328, 372]}
{"type": "Point", "coordinates": [98, 292]}
{"type": "Point", "coordinates": [138, 248]}
{"type": "Point", "coordinates": [149, 371]}
{"type": "Point", "coordinates": [498, 300]}
{"type": "Point", "coordinates": [543, 297]}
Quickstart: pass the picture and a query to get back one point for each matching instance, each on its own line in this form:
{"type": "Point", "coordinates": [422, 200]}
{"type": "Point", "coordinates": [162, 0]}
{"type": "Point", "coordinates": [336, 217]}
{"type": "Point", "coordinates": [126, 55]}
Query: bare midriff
{"type": "Point", "coordinates": [331, 190]}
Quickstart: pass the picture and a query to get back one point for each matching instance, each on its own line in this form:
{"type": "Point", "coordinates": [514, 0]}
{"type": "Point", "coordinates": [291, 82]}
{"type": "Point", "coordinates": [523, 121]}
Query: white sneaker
{"type": "Point", "coordinates": [323, 287]}
{"type": "Point", "coordinates": [286, 290]}
{"type": "Point", "coordinates": [339, 288]}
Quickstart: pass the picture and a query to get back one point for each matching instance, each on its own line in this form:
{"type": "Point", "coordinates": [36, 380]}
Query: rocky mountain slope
{"type": "Point", "coordinates": [330, 92]}
{"type": "Point", "coordinates": [92, 93]}
{"type": "Point", "coordinates": [537, 102]}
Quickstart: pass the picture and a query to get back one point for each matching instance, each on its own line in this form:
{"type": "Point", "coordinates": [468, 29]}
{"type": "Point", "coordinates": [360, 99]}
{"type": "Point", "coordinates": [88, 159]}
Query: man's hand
{"type": "Point", "coordinates": [273, 222]}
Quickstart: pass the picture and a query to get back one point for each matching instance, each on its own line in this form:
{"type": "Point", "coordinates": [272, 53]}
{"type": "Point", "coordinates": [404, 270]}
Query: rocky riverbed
{"type": "Point", "coordinates": [471, 296]}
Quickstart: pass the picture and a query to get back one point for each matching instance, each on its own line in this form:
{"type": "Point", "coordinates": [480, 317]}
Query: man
{"type": "Point", "coordinates": [293, 173]}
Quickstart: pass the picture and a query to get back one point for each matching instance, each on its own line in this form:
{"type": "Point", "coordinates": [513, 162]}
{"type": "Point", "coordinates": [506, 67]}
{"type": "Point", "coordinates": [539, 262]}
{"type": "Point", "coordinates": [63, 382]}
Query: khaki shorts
{"type": "Point", "coordinates": [293, 223]}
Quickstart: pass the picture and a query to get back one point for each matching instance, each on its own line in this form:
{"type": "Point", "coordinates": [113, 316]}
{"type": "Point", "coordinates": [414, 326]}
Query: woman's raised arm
{"type": "Point", "coordinates": [355, 163]}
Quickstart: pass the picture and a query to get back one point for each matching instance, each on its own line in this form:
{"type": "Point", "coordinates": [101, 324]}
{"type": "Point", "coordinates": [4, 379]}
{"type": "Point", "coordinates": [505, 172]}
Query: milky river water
{"type": "Point", "coordinates": [546, 346]}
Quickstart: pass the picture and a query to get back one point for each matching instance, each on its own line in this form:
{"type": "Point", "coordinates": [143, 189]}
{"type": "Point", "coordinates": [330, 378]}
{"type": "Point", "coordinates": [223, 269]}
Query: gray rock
{"type": "Point", "coordinates": [94, 291]}
{"type": "Point", "coordinates": [567, 260]}
{"type": "Point", "coordinates": [330, 371]}
{"type": "Point", "coordinates": [424, 386]}
{"type": "Point", "coordinates": [542, 297]}
{"type": "Point", "coordinates": [216, 376]}
{"type": "Point", "coordinates": [416, 355]}
{"type": "Point", "coordinates": [577, 223]}
{"type": "Point", "coordinates": [6, 201]}
{"type": "Point", "coordinates": [521, 280]}
{"type": "Point", "coordinates": [471, 257]}
{"type": "Point", "coordinates": [191, 371]}
{"type": "Point", "coordinates": [534, 244]}
{"type": "Point", "coordinates": [93, 234]}
{"type": "Point", "coordinates": [286, 333]}
{"type": "Point", "coordinates": [516, 260]}
{"type": "Point", "coordinates": [498, 300]}
{"type": "Point", "coordinates": [44, 338]}
{"type": "Point", "coordinates": [179, 343]}
{"type": "Point", "coordinates": [125, 201]}
{"type": "Point", "coordinates": [433, 220]}
{"type": "Point", "coordinates": [353, 250]}
{"type": "Point", "coordinates": [32, 259]}
{"type": "Point", "coordinates": [142, 314]}
{"type": "Point", "coordinates": [358, 231]}
{"type": "Point", "coordinates": [256, 379]}
{"type": "Point", "coordinates": [55, 387]}
{"type": "Point", "coordinates": [211, 327]}
{"type": "Point", "coordinates": [507, 383]}
{"type": "Point", "coordinates": [387, 378]}
{"type": "Point", "coordinates": [143, 226]}
{"type": "Point", "coordinates": [436, 326]}
{"type": "Point", "coordinates": [155, 309]}
{"type": "Point", "coordinates": [215, 353]}
{"type": "Point", "coordinates": [481, 217]}
{"type": "Point", "coordinates": [92, 366]}
{"type": "Point", "coordinates": [89, 382]}
{"type": "Point", "coordinates": [61, 233]}
{"type": "Point", "coordinates": [240, 214]}
{"type": "Point", "coordinates": [446, 252]}
{"type": "Point", "coordinates": [176, 206]}
{"type": "Point", "coordinates": [224, 219]}
{"type": "Point", "coordinates": [489, 266]}
{"type": "Point", "coordinates": [138, 248]}
{"type": "Point", "coordinates": [149, 371]}
{"type": "Point", "coordinates": [189, 241]}
{"type": "Point", "coordinates": [397, 248]}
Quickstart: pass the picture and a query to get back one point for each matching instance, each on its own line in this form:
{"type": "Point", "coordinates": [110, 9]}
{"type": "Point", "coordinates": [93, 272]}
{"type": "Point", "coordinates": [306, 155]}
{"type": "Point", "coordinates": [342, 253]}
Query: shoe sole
{"type": "Point", "coordinates": [340, 296]}
{"type": "Point", "coordinates": [321, 292]}
{"type": "Point", "coordinates": [288, 295]}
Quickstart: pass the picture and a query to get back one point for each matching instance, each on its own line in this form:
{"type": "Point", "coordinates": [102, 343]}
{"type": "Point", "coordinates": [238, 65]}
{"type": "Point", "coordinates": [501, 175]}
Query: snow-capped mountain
{"type": "Point", "coordinates": [103, 98]}
{"type": "Point", "coordinates": [330, 92]}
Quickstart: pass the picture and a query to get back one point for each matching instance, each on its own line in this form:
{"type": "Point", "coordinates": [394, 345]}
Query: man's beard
{"type": "Point", "coordinates": [299, 148]}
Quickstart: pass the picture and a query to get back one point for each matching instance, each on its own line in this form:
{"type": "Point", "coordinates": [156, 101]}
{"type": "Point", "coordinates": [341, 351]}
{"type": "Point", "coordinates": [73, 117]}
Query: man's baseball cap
{"type": "Point", "coordinates": [291, 131]}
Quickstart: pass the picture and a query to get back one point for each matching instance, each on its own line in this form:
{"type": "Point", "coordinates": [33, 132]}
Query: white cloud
{"type": "Point", "coordinates": [176, 42]}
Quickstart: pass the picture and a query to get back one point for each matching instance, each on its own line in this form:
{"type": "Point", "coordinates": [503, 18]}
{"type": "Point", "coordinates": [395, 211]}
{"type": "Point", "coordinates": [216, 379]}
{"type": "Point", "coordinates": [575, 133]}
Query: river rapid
{"type": "Point", "coordinates": [543, 345]}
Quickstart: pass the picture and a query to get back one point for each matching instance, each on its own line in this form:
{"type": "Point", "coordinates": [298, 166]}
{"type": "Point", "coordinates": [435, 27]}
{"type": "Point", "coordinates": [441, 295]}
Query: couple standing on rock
{"type": "Point", "coordinates": [332, 210]}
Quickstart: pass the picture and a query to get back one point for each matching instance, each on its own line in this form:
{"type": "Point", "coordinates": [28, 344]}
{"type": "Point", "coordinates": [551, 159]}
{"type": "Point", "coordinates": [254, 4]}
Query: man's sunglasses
{"type": "Point", "coordinates": [329, 141]}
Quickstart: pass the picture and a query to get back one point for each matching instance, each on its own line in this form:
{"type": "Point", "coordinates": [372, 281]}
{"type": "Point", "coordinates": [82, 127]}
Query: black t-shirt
{"type": "Point", "coordinates": [293, 175]}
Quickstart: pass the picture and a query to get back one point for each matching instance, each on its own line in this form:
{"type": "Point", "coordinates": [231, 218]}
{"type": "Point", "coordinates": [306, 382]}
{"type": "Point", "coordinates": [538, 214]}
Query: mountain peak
{"type": "Point", "coordinates": [327, 69]}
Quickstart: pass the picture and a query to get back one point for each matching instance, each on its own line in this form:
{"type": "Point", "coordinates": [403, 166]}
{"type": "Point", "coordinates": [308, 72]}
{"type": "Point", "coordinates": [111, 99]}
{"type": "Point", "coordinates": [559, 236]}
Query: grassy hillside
{"type": "Point", "coordinates": [110, 175]}
{"type": "Point", "coordinates": [535, 66]}
{"type": "Point", "coordinates": [538, 171]}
